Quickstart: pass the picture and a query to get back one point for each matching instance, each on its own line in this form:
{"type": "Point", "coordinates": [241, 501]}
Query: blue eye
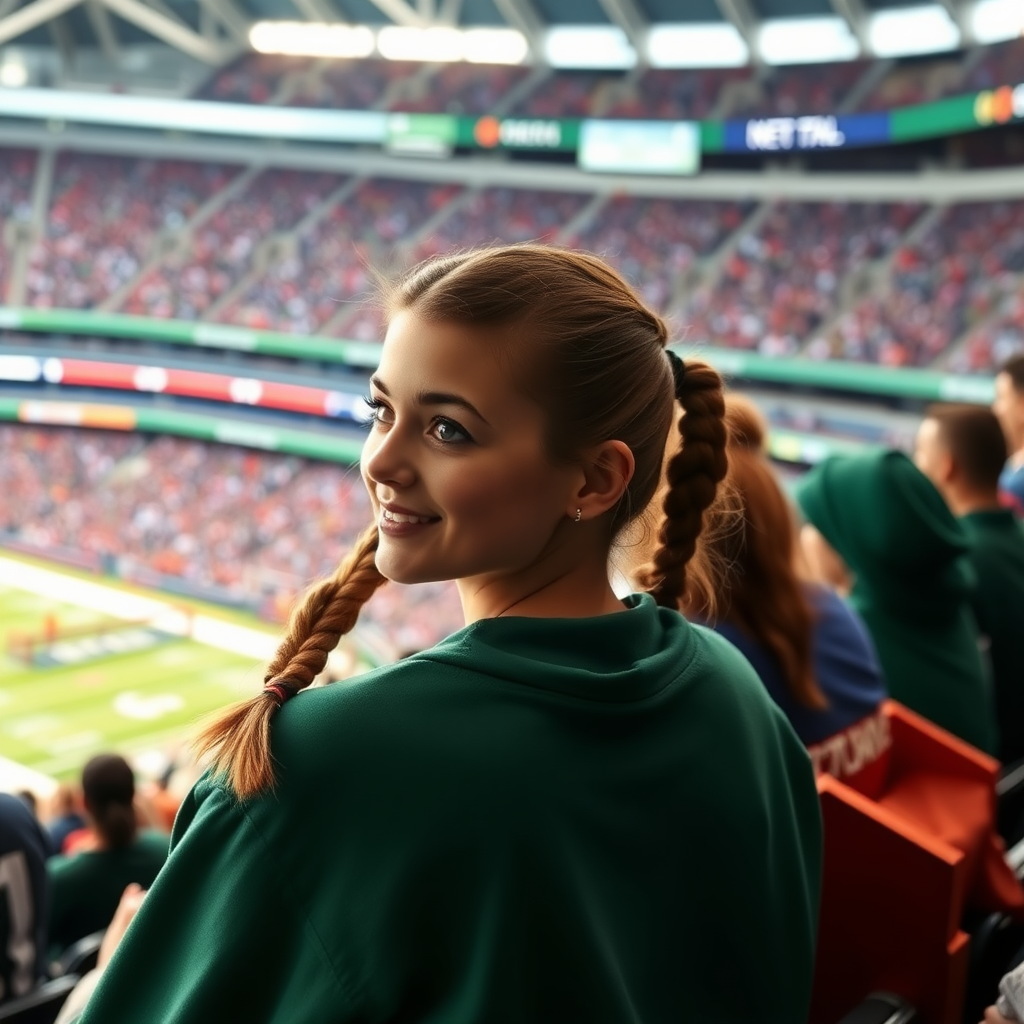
{"type": "Point", "coordinates": [449, 432]}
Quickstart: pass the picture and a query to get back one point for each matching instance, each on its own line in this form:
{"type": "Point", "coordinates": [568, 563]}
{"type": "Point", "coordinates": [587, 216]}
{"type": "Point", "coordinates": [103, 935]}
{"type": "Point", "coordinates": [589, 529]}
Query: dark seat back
{"type": "Point", "coordinates": [41, 1005]}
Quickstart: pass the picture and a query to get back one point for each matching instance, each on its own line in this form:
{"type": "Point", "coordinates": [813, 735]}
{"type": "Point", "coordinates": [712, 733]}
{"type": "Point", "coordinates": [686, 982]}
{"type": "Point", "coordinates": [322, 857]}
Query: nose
{"type": "Point", "coordinates": [386, 459]}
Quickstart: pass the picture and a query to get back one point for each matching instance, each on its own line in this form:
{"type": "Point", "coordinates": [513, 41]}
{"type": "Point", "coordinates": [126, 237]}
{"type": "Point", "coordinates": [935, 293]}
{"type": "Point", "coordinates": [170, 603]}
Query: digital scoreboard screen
{"type": "Point", "coordinates": [640, 147]}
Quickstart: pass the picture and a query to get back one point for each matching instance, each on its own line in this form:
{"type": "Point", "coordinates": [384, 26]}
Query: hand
{"type": "Point", "coordinates": [131, 900]}
{"type": "Point", "coordinates": [993, 1016]}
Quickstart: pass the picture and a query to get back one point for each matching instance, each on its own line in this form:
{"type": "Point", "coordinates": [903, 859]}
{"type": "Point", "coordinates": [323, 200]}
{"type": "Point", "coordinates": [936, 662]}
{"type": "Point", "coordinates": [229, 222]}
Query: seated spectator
{"type": "Point", "coordinates": [888, 527]}
{"type": "Point", "coordinates": [810, 649]}
{"type": "Point", "coordinates": [131, 900]}
{"type": "Point", "coordinates": [962, 450]}
{"type": "Point", "coordinates": [65, 816]}
{"type": "Point", "coordinates": [85, 888]}
{"type": "Point", "coordinates": [1009, 407]}
{"type": "Point", "coordinates": [23, 895]}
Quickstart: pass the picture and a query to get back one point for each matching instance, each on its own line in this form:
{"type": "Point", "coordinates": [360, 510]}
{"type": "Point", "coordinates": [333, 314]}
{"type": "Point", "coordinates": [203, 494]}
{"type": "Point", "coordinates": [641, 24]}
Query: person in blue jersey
{"type": "Point", "coordinates": [809, 647]}
{"type": "Point", "coordinates": [1009, 407]}
{"type": "Point", "coordinates": [23, 899]}
{"type": "Point", "coordinates": [576, 808]}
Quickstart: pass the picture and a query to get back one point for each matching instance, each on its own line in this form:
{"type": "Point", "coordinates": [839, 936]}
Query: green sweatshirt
{"type": "Point", "coordinates": [997, 555]}
{"type": "Point", "coordinates": [537, 820]}
{"type": "Point", "coordinates": [86, 888]}
{"type": "Point", "coordinates": [912, 584]}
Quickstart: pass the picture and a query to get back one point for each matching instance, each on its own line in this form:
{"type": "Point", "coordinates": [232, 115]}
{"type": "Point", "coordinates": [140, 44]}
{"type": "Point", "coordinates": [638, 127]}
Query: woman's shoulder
{"type": "Point", "coordinates": [726, 678]}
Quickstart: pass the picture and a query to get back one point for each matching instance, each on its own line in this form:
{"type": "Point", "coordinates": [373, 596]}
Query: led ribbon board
{"type": "Point", "coordinates": [441, 134]}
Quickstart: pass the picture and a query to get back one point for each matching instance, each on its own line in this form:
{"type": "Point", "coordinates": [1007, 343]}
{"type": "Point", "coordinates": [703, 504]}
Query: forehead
{"type": "Point", "coordinates": [425, 356]}
{"type": "Point", "coordinates": [929, 433]}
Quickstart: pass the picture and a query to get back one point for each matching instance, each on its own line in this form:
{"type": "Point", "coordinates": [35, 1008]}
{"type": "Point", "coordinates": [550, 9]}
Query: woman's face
{"type": "Point", "coordinates": [455, 463]}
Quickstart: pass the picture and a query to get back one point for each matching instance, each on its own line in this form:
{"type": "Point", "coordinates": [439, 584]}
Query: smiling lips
{"type": "Point", "coordinates": [397, 523]}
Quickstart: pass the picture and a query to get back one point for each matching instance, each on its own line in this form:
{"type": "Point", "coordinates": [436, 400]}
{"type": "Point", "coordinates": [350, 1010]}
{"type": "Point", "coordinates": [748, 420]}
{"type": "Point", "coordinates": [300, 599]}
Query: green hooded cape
{"type": "Point", "coordinates": [912, 585]}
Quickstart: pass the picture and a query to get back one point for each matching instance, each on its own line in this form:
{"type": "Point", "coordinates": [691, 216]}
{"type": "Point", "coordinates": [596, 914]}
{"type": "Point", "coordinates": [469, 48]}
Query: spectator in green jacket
{"type": "Point", "coordinates": [962, 450]}
{"type": "Point", "coordinates": [880, 522]}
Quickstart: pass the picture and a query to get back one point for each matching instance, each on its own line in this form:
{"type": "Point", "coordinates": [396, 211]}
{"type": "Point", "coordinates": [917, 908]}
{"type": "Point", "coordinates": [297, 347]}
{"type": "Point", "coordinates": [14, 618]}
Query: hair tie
{"type": "Point", "coordinates": [283, 691]}
{"type": "Point", "coordinates": [678, 369]}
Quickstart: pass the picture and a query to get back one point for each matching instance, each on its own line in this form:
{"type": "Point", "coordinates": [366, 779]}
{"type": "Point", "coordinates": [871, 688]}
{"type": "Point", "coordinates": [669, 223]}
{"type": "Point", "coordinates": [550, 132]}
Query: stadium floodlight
{"type": "Point", "coordinates": [993, 21]}
{"type": "Point", "coordinates": [594, 47]}
{"type": "Point", "coordinates": [311, 39]}
{"type": "Point", "coordinates": [494, 46]}
{"type": "Point", "coordinates": [402, 42]}
{"type": "Point", "coordinates": [906, 31]}
{"type": "Point", "coordinates": [806, 41]}
{"type": "Point", "coordinates": [696, 45]}
{"type": "Point", "coordinates": [13, 73]}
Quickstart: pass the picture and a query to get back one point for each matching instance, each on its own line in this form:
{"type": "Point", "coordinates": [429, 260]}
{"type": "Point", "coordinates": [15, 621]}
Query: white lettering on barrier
{"type": "Point", "coordinates": [535, 134]}
{"type": "Point", "coordinates": [854, 748]}
{"type": "Point", "coordinates": [775, 133]}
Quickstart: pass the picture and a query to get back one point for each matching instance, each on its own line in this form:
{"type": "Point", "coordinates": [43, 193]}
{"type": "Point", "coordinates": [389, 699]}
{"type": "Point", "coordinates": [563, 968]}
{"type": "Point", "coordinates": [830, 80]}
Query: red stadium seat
{"type": "Point", "coordinates": [899, 872]}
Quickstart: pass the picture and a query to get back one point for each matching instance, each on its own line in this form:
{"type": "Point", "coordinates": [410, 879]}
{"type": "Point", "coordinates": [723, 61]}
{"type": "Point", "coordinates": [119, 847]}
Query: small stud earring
{"type": "Point", "coordinates": [579, 515]}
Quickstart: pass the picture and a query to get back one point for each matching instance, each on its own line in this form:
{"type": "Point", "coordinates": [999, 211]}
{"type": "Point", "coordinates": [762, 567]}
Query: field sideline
{"type": "Point", "coordinates": [53, 718]}
{"type": "Point", "coordinates": [131, 690]}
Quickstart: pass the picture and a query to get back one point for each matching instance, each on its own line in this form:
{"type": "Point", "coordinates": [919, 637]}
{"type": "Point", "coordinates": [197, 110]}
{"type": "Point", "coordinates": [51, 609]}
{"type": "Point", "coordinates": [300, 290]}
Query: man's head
{"type": "Point", "coordinates": [1009, 401]}
{"type": "Point", "coordinates": [962, 450]}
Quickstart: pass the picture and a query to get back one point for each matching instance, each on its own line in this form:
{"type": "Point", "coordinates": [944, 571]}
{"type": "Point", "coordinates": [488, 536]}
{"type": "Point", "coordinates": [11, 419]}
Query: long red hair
{"type": "Point", "coordinates": [763, 594]}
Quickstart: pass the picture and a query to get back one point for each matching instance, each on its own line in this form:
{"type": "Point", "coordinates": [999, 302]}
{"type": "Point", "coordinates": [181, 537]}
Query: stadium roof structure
{"type": "Point", "coordinates": [216, 31]}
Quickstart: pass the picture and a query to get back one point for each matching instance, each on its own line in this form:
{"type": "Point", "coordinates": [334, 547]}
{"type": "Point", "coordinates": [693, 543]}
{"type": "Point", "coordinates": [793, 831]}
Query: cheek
{"type": "Point", "coordinates": [510, 501]}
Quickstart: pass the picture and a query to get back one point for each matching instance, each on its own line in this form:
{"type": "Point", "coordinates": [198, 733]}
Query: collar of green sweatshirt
{"type": "Point", "coordinates": [893, 529]}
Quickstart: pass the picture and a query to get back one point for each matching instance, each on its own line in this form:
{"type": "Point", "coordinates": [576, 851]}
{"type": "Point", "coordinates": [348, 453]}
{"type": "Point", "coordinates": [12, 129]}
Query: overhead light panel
{"type": "Point", "coordinates": [994, 21]}
{"type": "Point", "coordinates": [400, 42]}
{"type": "Point", "coordinates": [311, 39]}
{"type": "Point", "coordinates": [494, 46]}
{"type": "Point", "coordinates": [806, 41]}
{"type": "Point", "coordinates": [906, 31]}
{"type": "Point", "coordinates": [477, 45]}
{"type": "Point", "coordinates": [697, 45]}
{"type": "Point", "coordinates": [590, 47]}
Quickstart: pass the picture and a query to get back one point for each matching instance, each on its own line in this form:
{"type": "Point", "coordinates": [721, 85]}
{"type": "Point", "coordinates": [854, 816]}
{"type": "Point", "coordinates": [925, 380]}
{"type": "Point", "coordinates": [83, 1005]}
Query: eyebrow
{"type": "Point", "coordinates": [434, 398]}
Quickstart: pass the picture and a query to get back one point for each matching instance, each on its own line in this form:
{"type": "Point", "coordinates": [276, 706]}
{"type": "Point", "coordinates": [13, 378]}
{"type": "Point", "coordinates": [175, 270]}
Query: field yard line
{"type": "Point", "coordinates": [204, 629]}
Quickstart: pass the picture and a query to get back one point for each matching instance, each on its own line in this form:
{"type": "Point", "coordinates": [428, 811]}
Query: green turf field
{"type": "Point", "coordinates": [54, 718]}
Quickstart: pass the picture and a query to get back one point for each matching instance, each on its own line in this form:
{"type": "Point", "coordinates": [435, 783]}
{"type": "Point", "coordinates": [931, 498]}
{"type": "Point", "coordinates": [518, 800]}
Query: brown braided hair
{"type": "Point", "coordinates": [692, 477]}
{"type": "Point", "coordinates": [238, 738]}
{"type": "Point", "coordinates": [579, 341]}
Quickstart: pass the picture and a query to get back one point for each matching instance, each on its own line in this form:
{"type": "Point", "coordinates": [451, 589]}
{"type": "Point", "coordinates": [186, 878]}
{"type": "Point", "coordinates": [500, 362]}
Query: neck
{"type": "Point", "coordinates": [555, 587]}
{"type": "Point", "coordinates": [962, 503]}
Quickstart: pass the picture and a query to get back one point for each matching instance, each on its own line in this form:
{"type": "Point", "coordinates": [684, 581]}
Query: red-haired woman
{"type": "Point", "coordinates": [575, 808]}
{"type": "Point", "coordinates": [808, 646]}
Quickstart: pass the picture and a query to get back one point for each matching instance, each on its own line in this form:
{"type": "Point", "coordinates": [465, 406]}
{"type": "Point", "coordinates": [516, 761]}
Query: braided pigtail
{"type": "Point", "coordinates": [692, 474]}
{"type": "Point", "coordinates": [238, 738]}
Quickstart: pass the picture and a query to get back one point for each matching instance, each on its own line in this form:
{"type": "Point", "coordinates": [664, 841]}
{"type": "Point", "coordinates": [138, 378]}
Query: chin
{"type": "Point", "coordinates": [407, 570]}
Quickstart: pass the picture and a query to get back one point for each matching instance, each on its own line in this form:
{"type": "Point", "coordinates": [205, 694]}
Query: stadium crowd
{"type": "Point", "coordinates": [105, 217]}
{"type": "Point", "coordinates": [17, 169]}
{"type": "Point", "coordinates": [221, 250]}
{"type": "Point", "coordinates": [940, 287]}
{"type": "Point", "coordinates": [253, 526]}
{"type": "Point", "coordinates": [330, 267]}
{"type": "Point", "coordinates": [783, 280]}
{"type": "Point", "coordinates": [278, 253]}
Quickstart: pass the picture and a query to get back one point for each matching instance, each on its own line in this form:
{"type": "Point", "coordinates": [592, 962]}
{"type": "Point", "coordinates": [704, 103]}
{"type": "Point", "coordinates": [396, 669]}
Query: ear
{"type": "Point", "coordinates": [606, 473]}
{"type": "Point", "coordinates": [946, 468]}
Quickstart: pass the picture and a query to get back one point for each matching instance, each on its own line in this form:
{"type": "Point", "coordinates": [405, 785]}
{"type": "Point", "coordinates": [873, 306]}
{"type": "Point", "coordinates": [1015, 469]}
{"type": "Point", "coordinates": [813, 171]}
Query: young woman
{"type": "Point", "coordinates": [575, 809]}
{"type": "Point", "coordinates": [810, 649]}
